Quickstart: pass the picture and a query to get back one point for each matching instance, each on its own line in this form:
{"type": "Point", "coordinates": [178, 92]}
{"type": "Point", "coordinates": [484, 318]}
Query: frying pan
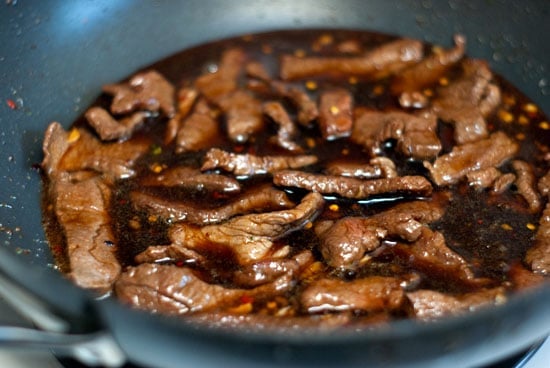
{"type": "Point", "coordinates": [54, 57]}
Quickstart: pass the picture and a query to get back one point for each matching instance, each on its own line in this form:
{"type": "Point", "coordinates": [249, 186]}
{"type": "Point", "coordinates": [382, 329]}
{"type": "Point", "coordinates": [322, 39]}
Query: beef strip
{"type": "Point", "coordinates": [177, 290]}
{"type": "Point", "coordinates": [197, 131]}
{"type": "Point", "coordinates": [307, 108]}
{"type": "Point", "coordinates": [56, 142]}
{"type": "Point", "coordinates": [415, 134]}
{"type": "Point", "coordinates": [81, 208]}
{"type": "Point", "coordinates": [110, 129]}
{"type": "Point", "coordinates": [351, 187]}
{"type": "Point", "coordinates": [430, 253]}
{"type": "Point", "coordinates": [491, 152]}
{"type": "Point", "coordinates": [371, 294]}
{"type": "Point", "coordinates": [185, 100]}
{"type": "Point", "coordinates": [287, 129]}
{"type": "Point", "coordinates": [344, 244]}
{"type": "Point", "coordinates": [250, 237]}
{"type": "Point", "coordinates": [382, 61]}
{"type": "Point", "coordinates": [538, 256]}
{"type": "Point", "coordinates": [467, 101]}
{"type": "Point", "coordinates": [429, 70]}
{"type": "Point", "coordinates": [257, 199]}
{"type": "Point", "coordinates": [523, 278]}
{"type": "Point", "coordinates": [144, 91]}
{"type": "Point", "coordinates": [503, 183]}
{"type": "Point", "coordinates": [249, 165]}
{"type": "Point", "coordinates": [215, 86]}
{"type": "Point", "coordinates": [112, 159]}
{"type": "Point", "coordinates": [268, 270]}
{"type": "Point", "coordinates": [243, 114]}
{"type": "Point", "coordinates": [354, 170]}
{"type": "Point", "coordinates": [430, 304]}
{"type": "Point", "coordinates": [543, 185]}
{"type": "Point", "coordinates": [526, 184]}
{"type": "Point", "coordinates": [484, 178]}
{"type": "Point", "coordinates": [335, 113]}
{"type": "Point", "coordinates": [192, 179]}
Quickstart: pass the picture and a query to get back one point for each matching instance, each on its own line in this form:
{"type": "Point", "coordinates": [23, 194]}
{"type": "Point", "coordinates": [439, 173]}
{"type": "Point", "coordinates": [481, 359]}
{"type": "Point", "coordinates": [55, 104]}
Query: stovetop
{"type": "Point", "coordinates": [536, 357]}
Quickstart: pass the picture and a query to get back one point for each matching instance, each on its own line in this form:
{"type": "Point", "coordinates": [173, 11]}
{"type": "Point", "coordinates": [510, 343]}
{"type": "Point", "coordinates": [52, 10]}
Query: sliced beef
{"type": "Point", "coordinates": [193, 179]}
{"type": "Point", "coordinates": [250, 237]}
{"type": "Point", "coordinates": [114, 159]}
{"type": "Point", "coordinates": [56, 142]}
{"type": "Point", "coordinates": [467, 101]}
{"type": "Point", "coordinates": [543, 185]}
{"type": "Point", "coordinates": [215, 86]}
{"type": "Point", "coordinates": [354, 170]}
{"type": "Point", "coordinates": [351, 187]}
{"type": "Point", "coordinates": [429, 70]}
{"type": "Point", "coordinates": [538, 256]}
{"type": "Point", "coordinates": [249, 165]}
{"type": "Point", "coordinates": [430, 253]}
{"type": "Point", "coordinates": [177, 290]}
{"type": "Point", "coordinates": [144, 91]}
{"type": "Point", "coordinates": [379, 62]}
{"type": "Point", "coordinates": [415, 134]}
{"type": "Point", "coordinates": [524, 278]}
{"type": "Point", "coordinates": [371, 294]}
{"type": "Point", "coordinates": [526, 183]}
{"type": "Point", "coordinates": [186, 99]}
{"type": "Point", "coordinates": [108, 128]}
{"type": "Point", "coordinates": [503, 183]}
{"type": "Point", "coordinates": [81, 208]}
{"type": "Point", "coordinates": [491, 152]}
{"type": "Point", "coordinates": [430, 304]}
{"type": "Point", "coordinates": [257, 199]}
{"type": "Point", "coordinates": [287, 131]}
{"type": "Point", "coordinates": [345, 242]}
{"type": "Point", "coordinates": [307, 108]}
{"type": "Point", "coordinates": [483, 178]}
{"type": "Point", "coordinates": [243, 114]}
{"type": "Point", "coordinates": [197, 131]}
{"type": "Point", "coordinates": [268, 270]}
{"type": "Point", "coordinates": [335, 113]}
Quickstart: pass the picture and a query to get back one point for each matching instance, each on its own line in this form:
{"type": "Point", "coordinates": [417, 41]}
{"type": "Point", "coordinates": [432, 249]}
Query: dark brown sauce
{"type": "Point", "coordinates": [489, 230]}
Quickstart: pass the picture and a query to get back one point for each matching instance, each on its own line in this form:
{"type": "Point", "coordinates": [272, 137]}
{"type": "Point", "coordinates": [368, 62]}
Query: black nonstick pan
{"type": "Point", "coordinates": [54, 58]}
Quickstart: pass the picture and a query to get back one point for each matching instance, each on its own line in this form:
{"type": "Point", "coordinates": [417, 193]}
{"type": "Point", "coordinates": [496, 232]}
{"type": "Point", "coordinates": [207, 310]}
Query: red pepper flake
{"type": "Point", "coordinates": [180, 263]}
{"type": "Point", "coordinates": [219, 195]}
{"type": "Point", "coordinates": [480, 222]}
{"type": "Point", "coordinates": [238, 149]}
{"type": "Point", "coordinates": [247, 299]}
{"type": "Point", "coordinates": [11, 104]}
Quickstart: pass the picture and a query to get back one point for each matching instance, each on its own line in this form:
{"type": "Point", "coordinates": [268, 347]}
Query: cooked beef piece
{"type": "Point", "coordinates": [430, 304]}
{"type": "Point", "coordinates": [526, 184]}
{"type": "Point", "coordinates": [491, 152]}
{"type": "Point", "coordinates": [115, 159]}
{"type": "Point", "coordinates": [351, 187]}
{"type": "Point", "coordinates": [386, 165]}
{"type": "Point", "coordinates": [257, 199]}
{"type": "Point", "coordinates": [503, 183]}
{"type": "Point", "coordinates": [378, 63]}
{"type": "Point", "coordinates": [268, 270]}
{"type": "Point", "coordinates": [467, 101]}
{"type": "Point", "coordinates": [186, 99]}
{"type": "Point", "coordinates": [543, 185]}
{"type": "Point", "coordinates": [335, 113]}
{"type": "Point", "coordinates": [250, 237]}
{"type": "Point", "coordinates": [249, 165]}
{"type": "Point", "coordinates": [287, 129]}
{"type": "Point", "coordinates": [538, 256]}
{"type": "Point", "coordinates": [522, 278]}
{"type": "Point", "coordinates": [110, 129]}
{"type": "Point", "coordinates": [197, 131]}
{"type": "Point", "coordinates": [482, 179]}
{"type": "Point", "coordinates": [144, 91]}
{"type": "Point", "coordinates": [345, 242]}
{"type": "Point", "coordinates": [56, 142]}
{"type": "Point", "coordinates": [243, 114]}
{"type": "Point", "coordinates": [255, 69]}
{"type": "Point", "coordinates": [177, 290]}
{"type": "Point", "coordinates": [193, 179]}
{"type": "Point", "coordinates": [307, 108]}
{"type": "Point", "coordinates": [286, 324]}
{"type": "Point", "coordinates": [415, 134]}
{"type": "Point", "coordinates": [430, 253]}
{"type": "Point", "coordinates": [370, 294]}
{"type": "Point", "coordinates": [354, 170]}
{"type": "Point", "coordinates": [215, 86]}
{"type": "Point", "coordinates": [81, 208]}
{"type": "Point", "coordinates": [429, 70]}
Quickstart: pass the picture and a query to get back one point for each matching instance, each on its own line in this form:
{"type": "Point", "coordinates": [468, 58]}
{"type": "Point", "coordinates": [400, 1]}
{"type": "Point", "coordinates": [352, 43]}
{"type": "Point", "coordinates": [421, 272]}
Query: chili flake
{"type": "Point", "coordinates": [11, 104]}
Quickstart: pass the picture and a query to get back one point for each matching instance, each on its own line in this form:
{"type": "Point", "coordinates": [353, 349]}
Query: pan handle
{"type": "Point", "coordinates": [95, 348]}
